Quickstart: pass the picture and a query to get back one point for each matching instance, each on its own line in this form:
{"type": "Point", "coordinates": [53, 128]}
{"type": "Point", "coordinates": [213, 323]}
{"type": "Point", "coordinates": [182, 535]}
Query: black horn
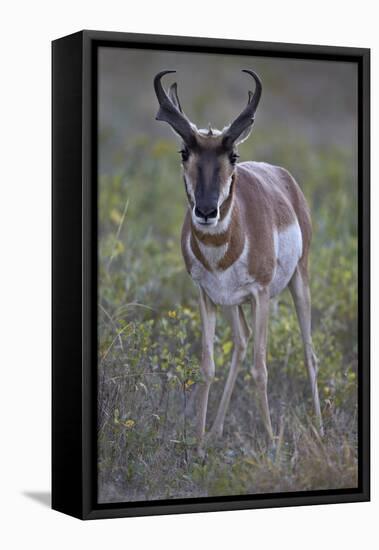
{"type": "Point", "coordinates": [245, 120]}
{"type": "Point", "coordinates": [171, 112]}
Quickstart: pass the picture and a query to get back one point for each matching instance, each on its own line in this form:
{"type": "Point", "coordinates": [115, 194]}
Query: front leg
{"type": "Point", "coordinates": [241, 333]}
{"type": "Point", "coordinates": [259, 369]}
{"type": "Point", "coordinates": [207, 367]}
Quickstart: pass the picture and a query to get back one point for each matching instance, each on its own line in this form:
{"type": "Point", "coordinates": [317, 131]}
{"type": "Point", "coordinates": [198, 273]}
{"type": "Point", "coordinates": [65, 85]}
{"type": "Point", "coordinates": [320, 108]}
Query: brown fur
{"type": "Point", "coordinates": [197, 252]}
{"type": "Point", "coordinates": [236, 240]}
{"type": "Point", "coordinates": [186, 230]}
{"type": "Point", "coordinates": [208, 239]}
{"type": "Point", "coordinates": [265, 197]}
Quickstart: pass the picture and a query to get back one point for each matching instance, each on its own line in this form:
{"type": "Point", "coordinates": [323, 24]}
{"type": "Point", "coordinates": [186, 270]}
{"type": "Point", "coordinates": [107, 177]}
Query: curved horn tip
{"type": "Point", "coordinates": [162, 73]}
{"type": "Point", "coordinates": [158, 76]}
{"type": "Point", "coordinates": [250, 72]}
{"type": "Point", "coordinates": [253, 74]}
{"type": "Point", "coordinates": [159, 90]}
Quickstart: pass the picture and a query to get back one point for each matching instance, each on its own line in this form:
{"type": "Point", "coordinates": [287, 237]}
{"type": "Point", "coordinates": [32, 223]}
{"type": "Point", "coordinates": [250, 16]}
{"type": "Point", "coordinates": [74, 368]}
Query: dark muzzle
{"type": "Point", "coordinates": [206, 211]}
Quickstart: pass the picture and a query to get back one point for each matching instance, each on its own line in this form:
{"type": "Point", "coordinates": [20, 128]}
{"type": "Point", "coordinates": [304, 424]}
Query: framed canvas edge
{"type": "Point", "coordinates": [87, 507]}
{"type": "Point", "coordinates": [67, 318]}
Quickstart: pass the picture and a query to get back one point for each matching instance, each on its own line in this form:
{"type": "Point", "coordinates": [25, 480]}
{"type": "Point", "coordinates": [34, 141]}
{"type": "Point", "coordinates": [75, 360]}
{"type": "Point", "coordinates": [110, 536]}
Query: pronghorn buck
{"type": "Point", "coordinates": [245, 238]}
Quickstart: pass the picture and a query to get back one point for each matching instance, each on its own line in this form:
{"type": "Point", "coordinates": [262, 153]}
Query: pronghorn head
{"type": "Point", "coordinates": [208, 156]}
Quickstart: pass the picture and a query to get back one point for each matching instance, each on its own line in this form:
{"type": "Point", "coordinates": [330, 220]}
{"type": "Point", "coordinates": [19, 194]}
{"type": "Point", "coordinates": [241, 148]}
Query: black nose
{"type": "Point", "coordinates": [206, 212]}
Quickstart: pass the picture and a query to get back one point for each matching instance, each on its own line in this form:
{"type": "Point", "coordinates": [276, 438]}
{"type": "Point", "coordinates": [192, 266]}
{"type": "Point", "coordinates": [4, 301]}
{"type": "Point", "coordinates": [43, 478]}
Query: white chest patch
{"type": "Point", "coordinates": [234, 285]}
{"type": "Point", "coordinates": [228, 287]}
{"type": "Point", "coordinates": [213, 254]}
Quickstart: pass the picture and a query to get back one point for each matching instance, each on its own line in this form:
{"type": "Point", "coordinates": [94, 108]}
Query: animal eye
{"type": "Point", "coordinates": [234, 157]}
{"type": "Point", "coordinates": [185, 154]}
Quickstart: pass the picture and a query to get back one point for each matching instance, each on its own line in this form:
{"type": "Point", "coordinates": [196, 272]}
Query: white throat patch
{"type": "Point", "coordinates": [213, 254]}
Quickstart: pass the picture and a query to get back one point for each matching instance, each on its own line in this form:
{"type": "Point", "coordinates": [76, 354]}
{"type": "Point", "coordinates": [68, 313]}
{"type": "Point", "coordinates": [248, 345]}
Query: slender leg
{"type": "Point", "coordinates": [241, 333]}
{"type": "Point", "coordinates": [208, 320]}
{"type": "Point", "coordinates": [259, 369]}
{"type": "Point", "coordinates": [301, 296]}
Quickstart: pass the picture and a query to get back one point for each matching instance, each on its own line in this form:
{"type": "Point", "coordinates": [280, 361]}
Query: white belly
{"type": "Point", "coordinates": [235, 285]}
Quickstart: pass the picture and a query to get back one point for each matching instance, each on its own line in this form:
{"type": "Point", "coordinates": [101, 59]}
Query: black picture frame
{"type": "Point", "coordinates": [74, 271]}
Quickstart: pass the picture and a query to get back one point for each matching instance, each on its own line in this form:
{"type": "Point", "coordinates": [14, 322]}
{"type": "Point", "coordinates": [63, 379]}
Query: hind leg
{"type": "Point", "coordinates": [259, 370]}
{"type": "Point", "coordinates": [299, 288]}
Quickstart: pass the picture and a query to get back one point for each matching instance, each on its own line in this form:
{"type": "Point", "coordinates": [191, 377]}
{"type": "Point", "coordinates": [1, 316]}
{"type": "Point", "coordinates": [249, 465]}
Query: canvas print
{"type": "Point", "coordinates": [227, 275]}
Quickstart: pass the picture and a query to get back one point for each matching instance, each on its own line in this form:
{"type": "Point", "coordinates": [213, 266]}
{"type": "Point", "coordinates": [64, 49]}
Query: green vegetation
{"type": "Point", "coordinates": [149, 340]}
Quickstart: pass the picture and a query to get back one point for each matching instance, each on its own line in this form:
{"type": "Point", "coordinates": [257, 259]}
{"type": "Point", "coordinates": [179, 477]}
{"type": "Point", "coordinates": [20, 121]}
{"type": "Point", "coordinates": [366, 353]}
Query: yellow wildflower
{"type": "Point", "coordinates": [129, 423]}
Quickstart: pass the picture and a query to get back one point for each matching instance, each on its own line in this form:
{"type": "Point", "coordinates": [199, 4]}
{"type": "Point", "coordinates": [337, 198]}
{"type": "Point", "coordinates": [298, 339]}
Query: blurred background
{"type": "Point", "coordinates": [149, 332]}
